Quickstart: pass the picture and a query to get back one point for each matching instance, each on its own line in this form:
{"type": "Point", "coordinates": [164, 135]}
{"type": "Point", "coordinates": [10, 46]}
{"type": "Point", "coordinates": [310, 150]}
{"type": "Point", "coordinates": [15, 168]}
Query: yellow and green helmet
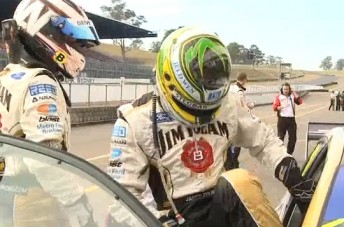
{"type": "Point", "coordinates": [192, 75]}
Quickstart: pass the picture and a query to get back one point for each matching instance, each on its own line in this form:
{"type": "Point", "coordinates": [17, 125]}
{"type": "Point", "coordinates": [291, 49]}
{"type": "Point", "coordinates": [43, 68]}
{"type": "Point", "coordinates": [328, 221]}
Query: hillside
{"type": "Point", "coordinates": [327, 73]}
{"type": "Point", "coordinates": [134, 55]}
{"type": "Point", "coordinates": [148, 58]}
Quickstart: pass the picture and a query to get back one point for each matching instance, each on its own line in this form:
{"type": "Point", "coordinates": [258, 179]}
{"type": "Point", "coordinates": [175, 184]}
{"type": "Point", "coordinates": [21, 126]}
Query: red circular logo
{"type": "Point", "coordinates": [197, 155]}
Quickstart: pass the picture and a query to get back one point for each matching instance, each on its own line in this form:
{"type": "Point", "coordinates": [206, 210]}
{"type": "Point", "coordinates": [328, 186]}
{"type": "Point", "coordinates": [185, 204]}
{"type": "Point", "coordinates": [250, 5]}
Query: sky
{"type": "Point", "coordinates": [302, 32]}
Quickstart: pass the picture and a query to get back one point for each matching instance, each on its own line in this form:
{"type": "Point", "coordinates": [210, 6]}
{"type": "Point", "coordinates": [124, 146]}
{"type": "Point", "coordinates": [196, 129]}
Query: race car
{"type": "Point", "coordinates": [325, 164]}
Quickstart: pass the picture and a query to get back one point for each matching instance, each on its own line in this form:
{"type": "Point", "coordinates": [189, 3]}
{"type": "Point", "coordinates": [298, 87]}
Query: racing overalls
{"type": "Point", "coordinates": [234, 152]}
{"type": "Point", "coordinates": [33, 106]}
{"type": "Point", "coordinates": [190, 161]}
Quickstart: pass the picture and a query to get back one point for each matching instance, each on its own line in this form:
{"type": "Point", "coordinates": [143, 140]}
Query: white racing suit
{"type": "Point", "coordinates": [33, 106]}
{"type": "Point", "coordinates": [232, 161]}
{"type": "Point", "coordinates": [238, 89]}
{"type": "Point", "coordinates": [191, 159]}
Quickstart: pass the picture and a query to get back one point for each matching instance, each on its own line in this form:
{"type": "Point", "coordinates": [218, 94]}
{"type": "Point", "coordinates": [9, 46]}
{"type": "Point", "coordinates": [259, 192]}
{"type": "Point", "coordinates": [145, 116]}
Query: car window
{"type": "Point", "coordinates": [37, 189]}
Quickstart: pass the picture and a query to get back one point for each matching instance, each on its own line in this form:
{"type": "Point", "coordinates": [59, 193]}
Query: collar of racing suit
{"type": "Point", "coordinates": [240, 86]}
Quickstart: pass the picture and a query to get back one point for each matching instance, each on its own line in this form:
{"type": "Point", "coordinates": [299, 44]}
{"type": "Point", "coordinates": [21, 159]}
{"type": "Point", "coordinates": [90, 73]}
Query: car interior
{"type": "Point", "coordinates": [313, 166]}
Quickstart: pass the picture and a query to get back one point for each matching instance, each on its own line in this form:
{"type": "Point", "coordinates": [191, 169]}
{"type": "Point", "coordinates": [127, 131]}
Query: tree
{"type": "Point", "coordinates": [326, 64]}
{"type": "Point", "coordinates": [118, 11]}
{"type": "Point", "coordinates": [136, 43]}
{"type": "Point", "coordinates": [155, 46]}
{"type": "Point", "coordinates": [256, 55]}
{"type": "Point", "coordinates": [340, 64]}
{"type": "Point", "coordinates": [279, 60]}
{"type": "Point", "coordinates": [256, 51]}
{"type": "Point", "coordinates": [168, 32]}
{"type": "Point", "coordinates": [235, 50]}
{"type": "Point", "coordinates": [271, 60]}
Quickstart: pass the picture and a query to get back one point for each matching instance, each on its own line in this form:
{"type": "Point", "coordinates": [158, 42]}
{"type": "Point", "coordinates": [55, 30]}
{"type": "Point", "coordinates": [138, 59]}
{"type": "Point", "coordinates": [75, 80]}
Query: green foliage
{"type": "Point", "coordinates": [340, 64]}
{"type": "Point", "coordinates": [155, 46]}
{"type": "Point", "coordinates": [326, 64]}
{"type": "Point", "coordinates": [118, 10]}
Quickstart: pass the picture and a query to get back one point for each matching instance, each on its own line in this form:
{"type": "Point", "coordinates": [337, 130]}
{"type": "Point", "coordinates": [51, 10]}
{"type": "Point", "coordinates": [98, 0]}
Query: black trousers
{"type": "Point", "coordinates": [331, 104]}
{"type": "Point", "coordinates": [284, 125]}
{"type": "Point", "coordinates": [232, 161]}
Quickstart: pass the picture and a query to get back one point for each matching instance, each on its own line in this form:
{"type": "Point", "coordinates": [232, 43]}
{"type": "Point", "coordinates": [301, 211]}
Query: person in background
{"type": "Point", "coordinates": [284, 104]}
{"type": "Point", "coordinates": [332, 100]}
{"type": "Point", "coordinates": [238, 88]}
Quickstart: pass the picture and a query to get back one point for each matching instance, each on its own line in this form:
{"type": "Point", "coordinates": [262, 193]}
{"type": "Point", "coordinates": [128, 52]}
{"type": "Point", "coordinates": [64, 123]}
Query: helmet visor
{"type": "Point", "coordinates": [215, 73]}
{"type": "Point", "coordinates": [78, 30]}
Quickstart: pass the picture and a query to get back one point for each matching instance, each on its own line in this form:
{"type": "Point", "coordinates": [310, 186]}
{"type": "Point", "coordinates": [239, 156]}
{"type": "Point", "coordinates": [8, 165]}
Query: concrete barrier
{"type": "Point", "coordinates": [92, 115]}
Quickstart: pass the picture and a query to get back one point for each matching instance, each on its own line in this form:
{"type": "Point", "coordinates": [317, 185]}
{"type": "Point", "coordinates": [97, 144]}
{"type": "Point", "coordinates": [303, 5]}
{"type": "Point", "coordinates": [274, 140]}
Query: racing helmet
{"type": "Point", "coordinates": [55, 32]}
{"type": "Point", "coordinates": [192, 75]}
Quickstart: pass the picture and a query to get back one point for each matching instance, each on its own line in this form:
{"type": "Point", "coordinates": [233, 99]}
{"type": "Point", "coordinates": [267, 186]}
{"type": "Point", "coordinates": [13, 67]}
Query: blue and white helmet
{"type": "Point", "coordinates": [56, 32]}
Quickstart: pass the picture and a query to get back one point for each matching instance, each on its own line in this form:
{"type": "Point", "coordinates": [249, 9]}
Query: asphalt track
{"type": "Point", "coordinates": [92, 142]}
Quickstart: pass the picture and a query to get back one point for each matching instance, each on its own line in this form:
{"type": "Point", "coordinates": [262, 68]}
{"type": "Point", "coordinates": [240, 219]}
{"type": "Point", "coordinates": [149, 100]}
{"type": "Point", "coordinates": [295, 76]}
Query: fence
{"type": "Point", "coordinates": [125, 90]}
{"type": "Point", "coordinates": [105, 93]}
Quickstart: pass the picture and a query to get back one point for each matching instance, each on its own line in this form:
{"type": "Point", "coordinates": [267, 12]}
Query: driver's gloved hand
{"type": "Point", "coordinates": [81, 213]}
{"type": "Point", "coordinates": [168, 222]}
{"type": "Point", "coordinates": [301, 189]}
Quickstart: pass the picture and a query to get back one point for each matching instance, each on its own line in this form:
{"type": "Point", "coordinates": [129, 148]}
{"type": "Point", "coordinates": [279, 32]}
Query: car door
{"type": "Point", "coordinates": [41, 186]}
{"type": "Point", "coordinates": [312, 169]}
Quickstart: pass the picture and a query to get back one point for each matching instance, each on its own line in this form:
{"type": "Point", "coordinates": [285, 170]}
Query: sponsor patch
{"type": "Point", "coordinates": [17, 76]}
{"type": "Point", "coordinates": [119, 141]}
{"type": "Point", "coordinates": [60, 57]}
{"type": "Point", "coordinates": [119, 131]}
{"type": "Point", "coordinates": [115, 153]}
{"type": "Point", "coordinates": [42, 89]}
{"type": "Point", "coordinates": [116, 164]}
{"type": "Point", "coordinates": [214, 96]}
{"type": "Point", "coordinates": [49, 118]}
{"type": "Point", "coordinates": [197, 155]}
{"type": "Point", "coordinates": [43, 98]}
{"type": "Point", "coordinates": [47, 108]}
{"type": "Point", "coordinates": [163, 117]}
{"type": "Point", "coordinates": [116, 173]}
{"type": "Point", "coordinates": [49, 128]}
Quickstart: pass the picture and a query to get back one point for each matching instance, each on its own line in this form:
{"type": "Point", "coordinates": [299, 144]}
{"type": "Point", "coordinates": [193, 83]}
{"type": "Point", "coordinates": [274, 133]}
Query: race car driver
{"type": "Point", "coordinates": [175, 139]}
{"type": "Point", "coordinates": [45, 42]}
